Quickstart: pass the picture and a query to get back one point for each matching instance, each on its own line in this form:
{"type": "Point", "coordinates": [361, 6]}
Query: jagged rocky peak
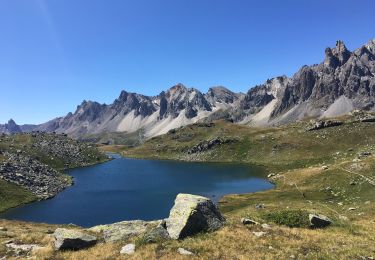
{"type": "Point", "coordinates": [337, 56]}
{"type": "Point", "coordinates": [12, 127]}
{"type": "Point", "coordinates": [88, 110]}
{"type": "Point", "coordinates": [179, 98]}
{"type": "Point", "coordinates": [140, 104]}
{"type": "Point", "coordinates": [221, 94]}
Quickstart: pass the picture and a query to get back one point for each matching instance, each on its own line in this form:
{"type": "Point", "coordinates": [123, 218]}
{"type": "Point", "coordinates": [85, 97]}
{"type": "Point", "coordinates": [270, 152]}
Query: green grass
{"type": "Point", "coordinates": [289, 218]}
{"type": "Point", "coordinates": [12, 195]}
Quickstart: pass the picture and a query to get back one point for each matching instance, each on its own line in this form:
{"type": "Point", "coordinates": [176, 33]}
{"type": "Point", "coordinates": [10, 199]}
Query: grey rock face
{"type": "Point", "coordinates": [192, 214]}
{"type": "Point", "coordinates": [67, 239]}
{"type": "Point", "coordinates": [156, 234]}
{"type": "Point", "coordinates": [319, 221]}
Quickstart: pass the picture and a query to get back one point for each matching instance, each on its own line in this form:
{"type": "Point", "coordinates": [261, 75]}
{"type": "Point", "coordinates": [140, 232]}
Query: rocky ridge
{"type": "Point", "coordinates": [342, 83]}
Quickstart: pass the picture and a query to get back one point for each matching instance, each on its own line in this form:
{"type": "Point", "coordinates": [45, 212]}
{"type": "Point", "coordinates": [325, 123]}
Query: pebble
{"type": "Point", "coordinates": [183, 251]}
{"type": "Point", "coordinates": [247, 221]}
{"type": "Point", "coordinates": [266, 226]}
{"type": "Point", "coordinates": [129, 249]}
{"type": "Point", "coordinates": [259, 234]}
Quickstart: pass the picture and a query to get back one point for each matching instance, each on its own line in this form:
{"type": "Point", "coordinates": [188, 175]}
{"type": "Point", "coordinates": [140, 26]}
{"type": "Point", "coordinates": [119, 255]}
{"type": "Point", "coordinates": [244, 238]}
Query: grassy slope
{"type": "Point", "coordinates": [12, 195]}
{"type": "Point", "coordinates": [297, 156]}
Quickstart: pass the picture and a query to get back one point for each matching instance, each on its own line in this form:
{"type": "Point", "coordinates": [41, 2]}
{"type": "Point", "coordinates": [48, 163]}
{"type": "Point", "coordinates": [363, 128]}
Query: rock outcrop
{"type": "Point", "coordinates": [192, 214]}
{"type": "Point", "coordinates": [324, 124]}
{"type": "Point", "coordinates": [209, 144]}
{"type": "Point", "coordinates": [68, 239]}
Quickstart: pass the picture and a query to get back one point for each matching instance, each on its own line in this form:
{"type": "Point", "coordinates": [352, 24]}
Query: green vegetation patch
{"type": "Point", "coordinates": [289, 218]}
{"type": "Point", "coordinates": [12, 195]}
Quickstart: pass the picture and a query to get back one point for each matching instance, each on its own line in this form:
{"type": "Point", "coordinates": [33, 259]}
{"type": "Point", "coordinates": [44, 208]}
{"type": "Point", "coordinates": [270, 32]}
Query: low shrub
{"type": "Point", "coordinates": [290, 218]}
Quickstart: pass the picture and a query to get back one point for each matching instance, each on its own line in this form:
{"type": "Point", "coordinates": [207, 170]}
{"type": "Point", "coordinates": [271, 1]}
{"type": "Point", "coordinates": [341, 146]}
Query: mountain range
{"type": "Point", "coordinates": [343, 82]}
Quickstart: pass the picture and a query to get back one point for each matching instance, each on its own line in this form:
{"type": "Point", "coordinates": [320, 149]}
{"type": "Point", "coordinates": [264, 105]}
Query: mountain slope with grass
{"type": "Point", "coordinates": [32, 165]}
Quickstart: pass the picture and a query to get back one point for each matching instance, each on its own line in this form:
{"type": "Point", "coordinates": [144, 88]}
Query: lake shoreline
{"type": "Point", "coordinates": [186, 170]}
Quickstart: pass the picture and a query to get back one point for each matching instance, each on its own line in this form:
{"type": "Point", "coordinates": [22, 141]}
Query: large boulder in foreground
{"type": "Point", "coordinates": [68, 239]}
{"type": "Point", "coordinates": [192, 214]}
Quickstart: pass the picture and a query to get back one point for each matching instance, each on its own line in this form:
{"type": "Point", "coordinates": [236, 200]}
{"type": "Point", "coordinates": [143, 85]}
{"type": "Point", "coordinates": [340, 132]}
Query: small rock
{"type": "Point", "coordinates": [340, 203]}
{"type": "Point", "coordinates": [259, 206]}
{"type": "Point", "coordinates": [266, 226]}
{"type": "Point", "coordinates": [3, 229]}
{"type": "Point", "coordinates": [345, 218]}
{"type": "Point", "coordinates": [183, 251]}
{"type": "Point", "coordinates": [129, 249]}
{"type": "Point", "coordinates": [324, 167]}
{"type": "Point", "coordinates": [259, 234]}
{"type": "Point", "coordinates": [319, 221]}
{"type": "Point", "coordinates": [247, 221]}
{"type": "Point", "coordinates": [293, 256]}
{"type": "Point", "coordinates": [367, 202]}
{"type": "Point", "coordinates": [351, 209]}
{"type": "Point", "coordinates": [68, 239]}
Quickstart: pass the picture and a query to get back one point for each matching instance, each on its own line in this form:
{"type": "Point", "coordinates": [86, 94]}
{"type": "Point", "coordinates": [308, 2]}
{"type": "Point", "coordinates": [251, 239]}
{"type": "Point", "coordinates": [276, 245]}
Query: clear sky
{"type": "Point", "coordinates": [56, 53]}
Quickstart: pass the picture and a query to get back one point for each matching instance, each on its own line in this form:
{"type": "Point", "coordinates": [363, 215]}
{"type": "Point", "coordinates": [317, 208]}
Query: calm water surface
{"type": "Point", "coordinates": [127, 189]}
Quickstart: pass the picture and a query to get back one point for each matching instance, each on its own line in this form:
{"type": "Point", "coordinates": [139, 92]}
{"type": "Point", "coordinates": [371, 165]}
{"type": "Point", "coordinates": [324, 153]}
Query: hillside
{"type": "Point", "coordinates": [32, 165]}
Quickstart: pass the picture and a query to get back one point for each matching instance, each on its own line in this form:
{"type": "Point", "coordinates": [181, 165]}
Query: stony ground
{"type": "Point", "coordinates": [31, 165]}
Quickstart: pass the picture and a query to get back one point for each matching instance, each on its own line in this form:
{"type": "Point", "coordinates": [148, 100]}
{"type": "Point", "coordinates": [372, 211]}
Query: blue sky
{"type": "Point", "coordinates": [56, 53]}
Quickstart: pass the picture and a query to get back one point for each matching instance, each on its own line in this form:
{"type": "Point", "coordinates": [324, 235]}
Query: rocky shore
{"type": "Point", "coordinates": [42, 180]}
{"type": "Point", "coordinates": [35, 161]}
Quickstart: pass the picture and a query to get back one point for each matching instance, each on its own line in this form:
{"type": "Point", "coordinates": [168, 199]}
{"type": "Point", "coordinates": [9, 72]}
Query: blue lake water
{"type": "Point", "coordinates": [127, 189]}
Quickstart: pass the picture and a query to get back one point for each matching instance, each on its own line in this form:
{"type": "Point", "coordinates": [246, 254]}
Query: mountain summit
{"type": "Point", "coordinates": [343, 82]}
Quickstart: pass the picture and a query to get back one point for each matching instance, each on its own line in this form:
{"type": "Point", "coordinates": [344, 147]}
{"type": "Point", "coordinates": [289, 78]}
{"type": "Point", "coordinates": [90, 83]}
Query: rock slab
{"type": "Point", "coordinates": [68, 239]}
{"type": "Point", "coordinates": [125, 229]}
{"type": "Point", "coordinates": [129, 249]}
{"type": "Point", "coordinates": [192, 214]}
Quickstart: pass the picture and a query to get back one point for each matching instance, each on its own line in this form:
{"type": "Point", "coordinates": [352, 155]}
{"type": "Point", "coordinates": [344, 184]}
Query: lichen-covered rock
{"type": "Point", "coordinates": [319, 221]}
{"type": "Point", "coordinates": [69, 239]}
{"type": "Point", "coordinates": [125, 229]}
{"type": "Point", "coordinates": [192, 214]}
{"type": "Point", "coordinates": [156, 234]}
